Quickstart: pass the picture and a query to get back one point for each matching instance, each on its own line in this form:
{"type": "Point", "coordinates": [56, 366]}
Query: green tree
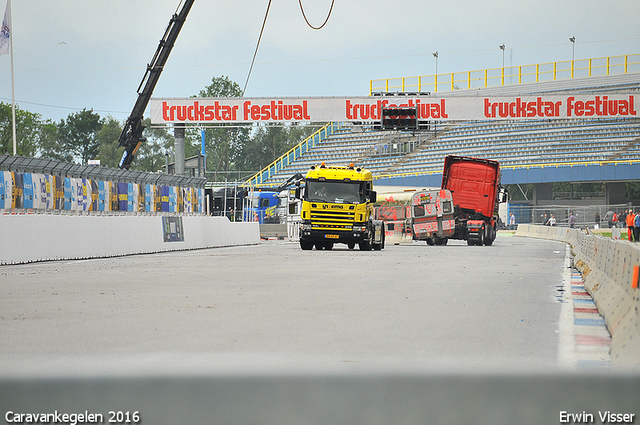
{"type": "Point", "coordinates": [109, 153]}
{"type": "Point", "coordinates": [233, 151]}
{"type": "Point", "coordinates": [48, 146]}
{"type": "Point", "coordinates": [27, 131]}
{"type": "Point", "coordinates": [269, 142]}
{"type": "Point", "coordinates": [78, 135]}
{"type": "Point", "coordinates": [222, 144]}
{"type": "Point", "coordinates": [632, 190]}
{"type": "Point", "coordinates": [151, 154]}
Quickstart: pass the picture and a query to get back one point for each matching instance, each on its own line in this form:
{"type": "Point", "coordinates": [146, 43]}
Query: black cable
{"type": "Point", "coordinates": [257, 45]}
{"type": "Point", "coordinates": [325, 21]}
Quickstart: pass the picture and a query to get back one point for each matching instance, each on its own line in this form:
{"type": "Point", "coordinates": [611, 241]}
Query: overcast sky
{"type": "Point", "coordinates": [74, 54]}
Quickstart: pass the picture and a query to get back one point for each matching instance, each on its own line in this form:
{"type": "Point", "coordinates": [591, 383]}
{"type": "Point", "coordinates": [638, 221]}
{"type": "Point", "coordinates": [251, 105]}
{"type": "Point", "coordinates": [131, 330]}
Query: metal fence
{"type": "Point", "coordinates": [586, 216]}
{"type": "Point", "coordinates": [21, 164]}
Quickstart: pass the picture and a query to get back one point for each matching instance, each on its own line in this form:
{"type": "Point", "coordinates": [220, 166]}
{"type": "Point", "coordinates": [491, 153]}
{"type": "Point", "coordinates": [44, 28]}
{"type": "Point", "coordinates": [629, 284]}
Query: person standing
{"type": "Point", "coordinates": [609, 218]}
{"type": "Point", "coordinates": [512, 222]}
{"type": "Point", "coordinates": [631, 218]}
{"type": "Point", "coordinates": [636, 228]}
{"type": "Point", "coordinates": [572, 220]}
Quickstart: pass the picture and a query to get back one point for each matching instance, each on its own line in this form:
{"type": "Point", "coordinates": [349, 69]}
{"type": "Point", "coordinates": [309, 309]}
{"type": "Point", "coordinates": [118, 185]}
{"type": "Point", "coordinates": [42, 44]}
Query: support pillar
{"type": "Point", "coordinates": [178, 132]}
{"type": "Point", "coordinates": [542, 191]}
{"type": "Point", "coordinates": [615, 193]}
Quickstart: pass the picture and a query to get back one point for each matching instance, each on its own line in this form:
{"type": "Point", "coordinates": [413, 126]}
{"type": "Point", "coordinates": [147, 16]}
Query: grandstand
{"type": "Point", "coordinates": [514, 143]}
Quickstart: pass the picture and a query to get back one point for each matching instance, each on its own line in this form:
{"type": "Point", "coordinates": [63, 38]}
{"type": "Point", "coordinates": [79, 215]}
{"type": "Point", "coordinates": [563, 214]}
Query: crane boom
{"type": "Point", "coordinates": [131, 136]}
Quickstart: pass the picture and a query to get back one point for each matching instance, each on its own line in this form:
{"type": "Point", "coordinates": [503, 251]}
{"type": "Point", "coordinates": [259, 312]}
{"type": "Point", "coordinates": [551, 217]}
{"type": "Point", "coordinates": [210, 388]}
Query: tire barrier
{"type": "Point", "coordinates": [610, 269]}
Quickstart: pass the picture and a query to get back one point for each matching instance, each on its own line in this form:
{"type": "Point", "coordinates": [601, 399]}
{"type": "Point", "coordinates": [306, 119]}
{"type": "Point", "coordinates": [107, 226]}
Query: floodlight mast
{"type": "Point", "coordinates": [131, 136]}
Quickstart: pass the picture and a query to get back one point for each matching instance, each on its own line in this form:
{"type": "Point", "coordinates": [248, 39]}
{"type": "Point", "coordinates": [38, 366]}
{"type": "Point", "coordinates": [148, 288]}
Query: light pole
{"type": "Point", "coordinates": [573, 47]}
{"type": "Point", "coordinates": [502, 47]}
{"type": "Point", "coordinates": [435, 55]}
{"type": "Point", "coordinates": [573, 52]}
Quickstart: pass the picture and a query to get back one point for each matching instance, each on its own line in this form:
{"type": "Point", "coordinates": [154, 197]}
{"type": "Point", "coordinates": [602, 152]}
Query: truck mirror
{"type": "Point", "coordinates": [297, 194]}
{"type": "Point", "coordinates": [372, 196]}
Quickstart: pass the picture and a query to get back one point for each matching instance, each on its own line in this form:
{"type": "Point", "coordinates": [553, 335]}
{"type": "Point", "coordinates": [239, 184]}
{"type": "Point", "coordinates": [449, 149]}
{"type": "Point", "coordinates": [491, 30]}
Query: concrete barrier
{"type": "Point", "coordinates": [273, 231]}
{"type": "Point", "coordinates": [42, 237]}
{"type": "Point", "coordinates": [607, 267]}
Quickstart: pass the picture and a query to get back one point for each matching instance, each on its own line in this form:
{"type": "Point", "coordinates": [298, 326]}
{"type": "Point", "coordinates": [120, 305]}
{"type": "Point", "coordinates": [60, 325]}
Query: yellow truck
{"type": "Point", "coordinates": [337, 207]}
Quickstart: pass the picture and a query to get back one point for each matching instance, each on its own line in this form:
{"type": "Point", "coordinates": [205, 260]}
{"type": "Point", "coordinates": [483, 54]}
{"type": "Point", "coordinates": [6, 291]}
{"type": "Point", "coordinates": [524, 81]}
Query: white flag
{"type": "Point", "coordinates": [5, 33]}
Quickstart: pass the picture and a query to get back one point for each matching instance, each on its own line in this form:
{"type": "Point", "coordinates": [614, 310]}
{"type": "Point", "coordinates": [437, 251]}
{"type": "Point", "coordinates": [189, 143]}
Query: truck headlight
{"type": "Point", "coordinates": [305, 226]}
{"type": "Point", "coordinates": [359, 228]}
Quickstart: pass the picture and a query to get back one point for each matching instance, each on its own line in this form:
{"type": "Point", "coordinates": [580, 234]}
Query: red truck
{"type": "Point", "coordinates": [475, 186]}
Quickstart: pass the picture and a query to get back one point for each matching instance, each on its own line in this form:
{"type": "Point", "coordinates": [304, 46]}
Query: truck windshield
{"type": "Point", "coordinates": [337, 192]}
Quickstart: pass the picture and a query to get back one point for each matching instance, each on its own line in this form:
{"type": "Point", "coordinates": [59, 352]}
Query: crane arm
{"type": "Point", "coordinates": [131, 136]}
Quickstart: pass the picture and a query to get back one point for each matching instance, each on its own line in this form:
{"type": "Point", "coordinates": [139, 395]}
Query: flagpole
{"type": "Point", "coordinates": [13, 91]}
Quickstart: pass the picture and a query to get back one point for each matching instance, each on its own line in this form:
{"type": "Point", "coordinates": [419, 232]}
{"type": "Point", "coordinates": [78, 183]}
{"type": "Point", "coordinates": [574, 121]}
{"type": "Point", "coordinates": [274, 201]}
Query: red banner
{"type": "Point", "coordinates": [368, 109]}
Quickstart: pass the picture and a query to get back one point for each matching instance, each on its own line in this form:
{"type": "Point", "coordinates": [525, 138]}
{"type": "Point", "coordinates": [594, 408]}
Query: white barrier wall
{"type": "Point", "coordinates": [607, 267]}
{"type": "Point", "coordinates": [40, 237]}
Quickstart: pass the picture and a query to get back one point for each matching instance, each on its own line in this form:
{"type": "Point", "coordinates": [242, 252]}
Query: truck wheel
{"type": "Point", "coordinates": [328, 246]}
{"type": "Point", "coordinates": [351, 245]}
{"type": "Point", "coordinates": [379, 246]}
{"type": "Point", "coordinates": [441, 241]}
{"type": "Point", "coordinates": [365, 246]}
{"type": "Point", "coordinates": [431, 241]}
{"type": "Point", "coordinates": [319, 246]}
{"type": "Point", "coordinates": [306, 246]}
{"type": "Point", "coordinates": [490, 235]}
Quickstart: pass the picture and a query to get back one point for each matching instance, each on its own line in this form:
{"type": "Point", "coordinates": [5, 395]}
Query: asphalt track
{"type": "Point", "coordinates": [273, 306]}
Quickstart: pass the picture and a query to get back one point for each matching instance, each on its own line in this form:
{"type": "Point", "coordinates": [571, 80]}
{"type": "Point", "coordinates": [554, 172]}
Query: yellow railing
{"type": "Point", "coordinates": [612, 65]}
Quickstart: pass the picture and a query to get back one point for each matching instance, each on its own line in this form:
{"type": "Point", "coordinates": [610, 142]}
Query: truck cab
{"type": "Point", "coordinates": [337, 207]}
{"type": "Point", "coordinates": [475, 186]}
{"type": "Point", "coordinates": [260, 206]}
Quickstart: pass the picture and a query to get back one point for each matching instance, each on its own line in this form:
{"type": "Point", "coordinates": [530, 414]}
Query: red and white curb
{"type": "Point", "coordinates": [584, 339]}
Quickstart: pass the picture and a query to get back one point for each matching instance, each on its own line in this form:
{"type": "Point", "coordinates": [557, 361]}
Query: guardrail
{"type": "Point", "coordinates": [551, 71]}
{"type": "Point", "coordinates": [611, 270]}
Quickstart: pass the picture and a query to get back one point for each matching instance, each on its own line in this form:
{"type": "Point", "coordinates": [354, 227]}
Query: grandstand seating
{"type": "Point", "coordinates": [512, 143]}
